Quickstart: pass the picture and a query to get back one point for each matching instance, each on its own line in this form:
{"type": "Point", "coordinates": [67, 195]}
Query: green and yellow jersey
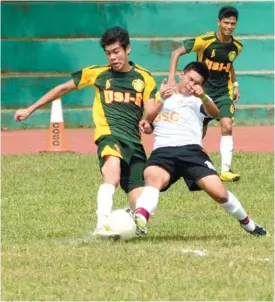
{"type": "Point", "coordinates": [219, 58]}
{"type": "Point", "coordinates": [119, 98]}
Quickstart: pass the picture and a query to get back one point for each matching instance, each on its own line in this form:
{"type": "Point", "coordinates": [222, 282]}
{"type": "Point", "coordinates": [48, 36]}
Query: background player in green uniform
{"type": "Point", "coordinates": [124, 91]}
{"type": "Point", "coordinates": [218, 50]}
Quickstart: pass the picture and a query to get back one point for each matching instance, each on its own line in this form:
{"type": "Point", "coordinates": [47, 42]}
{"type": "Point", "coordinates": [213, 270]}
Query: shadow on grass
{"type": "Point", "coordinates": [149, 239]}
{"type": "Point", "coordinates": [185, 238]}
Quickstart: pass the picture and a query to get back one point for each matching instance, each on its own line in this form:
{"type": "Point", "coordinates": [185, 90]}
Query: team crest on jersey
{"type": "Point", "coordinates": [232, 56]}
{"type": "Point", "coordinates": [108, 84]}
{"type": "Point", "coordinates": [138, 85]}
{"type": "Point", "coordinates": [213, 53]}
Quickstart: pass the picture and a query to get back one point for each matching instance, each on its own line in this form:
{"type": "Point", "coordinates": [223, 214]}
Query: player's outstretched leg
{"type": "Point", "coordinates": [214, 188]}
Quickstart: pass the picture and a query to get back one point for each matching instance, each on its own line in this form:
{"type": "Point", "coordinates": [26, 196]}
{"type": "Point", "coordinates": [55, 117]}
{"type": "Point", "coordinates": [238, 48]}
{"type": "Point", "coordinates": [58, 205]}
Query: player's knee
{"type": "Point", "coordinates": [111, 176]}
{"type": "Point", "coordinates": [221, 196]}
{"type": "Point", "coordinates": [226, 127]}
{"type": "Point", "coordinates": [153, 177]}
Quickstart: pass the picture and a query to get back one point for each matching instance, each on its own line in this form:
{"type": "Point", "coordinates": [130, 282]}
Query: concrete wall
{"type": "Point", "coordinates": [42, 43]}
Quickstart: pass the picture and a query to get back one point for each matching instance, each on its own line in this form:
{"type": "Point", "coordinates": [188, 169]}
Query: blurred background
{"type": "Point", "coordinates": [43, 42]}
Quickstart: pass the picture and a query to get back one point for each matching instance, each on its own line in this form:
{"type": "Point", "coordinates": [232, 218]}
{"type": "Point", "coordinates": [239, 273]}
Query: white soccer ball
{"type": "Point", "coordinates": [122, 223]}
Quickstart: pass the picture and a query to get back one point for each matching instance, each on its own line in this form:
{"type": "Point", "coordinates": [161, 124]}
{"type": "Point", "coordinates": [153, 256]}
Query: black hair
{"type": "Point", "coordinates": [199, 67]}
{"type": "Point", "coordinates": [228, 11]}
{"type": "Point", "coordinates": [113, 35]}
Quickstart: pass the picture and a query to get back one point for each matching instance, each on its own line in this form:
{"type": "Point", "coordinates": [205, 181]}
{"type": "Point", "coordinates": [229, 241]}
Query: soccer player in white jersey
{"type": "Point", "coordinates": [178, 150]}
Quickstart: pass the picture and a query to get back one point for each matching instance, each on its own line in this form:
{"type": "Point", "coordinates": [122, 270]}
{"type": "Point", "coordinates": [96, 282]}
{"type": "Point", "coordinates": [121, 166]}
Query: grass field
{"type": "Point", "coordinates": [194, 250]}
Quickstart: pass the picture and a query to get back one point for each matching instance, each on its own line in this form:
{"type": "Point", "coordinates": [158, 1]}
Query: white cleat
{"type": "Point", "coordinates": [103, 233]}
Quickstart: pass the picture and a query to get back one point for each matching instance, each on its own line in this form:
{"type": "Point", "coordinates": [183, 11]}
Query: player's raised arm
{"type": "Point", "coordinates": [55, 93]}
{"type": "Point", "coordinates": [209, 106]}
{"type": "Point", "coordinates": [195, 44]}
{"type": "Point", "coordinates": [151, 109]}
{"type": "Point", "coordinates": [174, 63]}
{"type": "Point", "coordinates": [153, 106]}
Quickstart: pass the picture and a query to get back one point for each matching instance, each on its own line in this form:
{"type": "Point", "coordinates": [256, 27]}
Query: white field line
{"type": "Point", "coordinates": [203, 253]}
{"type": "Point", "coordinates": [196, 252]}
{"type": "Point", "coordinates": [90, 239]}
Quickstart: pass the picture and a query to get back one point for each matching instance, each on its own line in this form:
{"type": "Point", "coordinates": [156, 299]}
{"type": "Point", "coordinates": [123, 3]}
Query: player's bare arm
{"type": "Point", "coordinates": [166, 90]}
{"type": "Point", "coordinates": [145, 127]}
{"type": "Point", "coordinates": [236, 88]}
{"type": "Point", "coordinates": [152, 107]}
{"type": "Point", "coordinates": [55, 93]}
{"type": "Point", "coordinates": [174, 63]}
{"type": "Point", "coordinates": [208, 104]}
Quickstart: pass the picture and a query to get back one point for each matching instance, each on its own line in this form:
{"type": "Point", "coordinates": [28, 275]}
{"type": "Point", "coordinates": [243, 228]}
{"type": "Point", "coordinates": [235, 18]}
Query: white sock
{"type": "Point", "coordinates": [234, 208]}
{"type": "Point", "coordinates": [148, 199]}
{"type": "Point", "coordinates": [104, 203]}
{"type": "Point", "coordinates": [226, 149]}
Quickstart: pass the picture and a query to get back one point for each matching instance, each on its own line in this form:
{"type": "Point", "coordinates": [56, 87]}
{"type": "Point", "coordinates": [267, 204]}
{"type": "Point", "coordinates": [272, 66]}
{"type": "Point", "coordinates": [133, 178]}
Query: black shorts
{"type": "Point", "coordinates": [189, 162]}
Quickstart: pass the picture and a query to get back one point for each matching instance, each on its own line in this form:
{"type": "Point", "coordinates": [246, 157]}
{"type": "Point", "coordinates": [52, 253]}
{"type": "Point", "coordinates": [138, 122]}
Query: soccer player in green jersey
{"type": "Point", "coordinates": [124, 92]}
{"type": "Point", "coordinates": [218, 50]}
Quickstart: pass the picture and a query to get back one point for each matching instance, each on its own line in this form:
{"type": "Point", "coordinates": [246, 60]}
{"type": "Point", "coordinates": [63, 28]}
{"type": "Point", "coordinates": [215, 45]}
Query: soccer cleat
{"type": "Point", "coordinates": [258, 232]}
{"type": "Point", "coordinates": [104, 233]}
{"type": "Point", "coordinates": [141, 225]}
{"type": "Point", "coordinates": [229, 176]}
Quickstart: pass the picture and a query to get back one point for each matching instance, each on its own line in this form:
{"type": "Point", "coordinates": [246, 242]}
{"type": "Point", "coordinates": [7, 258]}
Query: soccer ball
{"type": "Point", "coordinates": [122, 223]}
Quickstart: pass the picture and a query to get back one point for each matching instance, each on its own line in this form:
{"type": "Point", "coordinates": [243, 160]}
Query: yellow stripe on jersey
{"type": "Point", "coordinates": [201, 40]}
{"type": "Point", "coordinates": [238, 45]}
{"type": "Point", "coordinates": [141, 68]}
{"type": "Point", "coordinates": [230, 86]}
{"type": "Point", "coordinates": [90, 74]}
{"type": "Point", "coordinates": [201, 44]}
{"type": "Point", "coordinates": [150, 84]}
{"type": "Point", "coordinates": [101, 124]}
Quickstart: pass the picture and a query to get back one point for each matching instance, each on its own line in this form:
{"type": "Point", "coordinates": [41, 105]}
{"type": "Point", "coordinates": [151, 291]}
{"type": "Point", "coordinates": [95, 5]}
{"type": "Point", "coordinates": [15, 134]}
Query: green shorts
{"type": "Point", "coordinates": [133, 160]}
{"type": "Point", "coordinates": [226, 107]}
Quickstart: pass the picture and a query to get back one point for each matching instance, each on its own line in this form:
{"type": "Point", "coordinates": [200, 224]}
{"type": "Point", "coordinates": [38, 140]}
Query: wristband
{"type": "Point", "coordinates": [236, 84]}
{"type": "Point", "coordinates": [204, 97]}
{"type": "Point", "coordinates": [161, 100]}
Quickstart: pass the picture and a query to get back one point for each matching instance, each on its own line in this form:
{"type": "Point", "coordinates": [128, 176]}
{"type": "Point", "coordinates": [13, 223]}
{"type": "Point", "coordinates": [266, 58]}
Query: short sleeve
{"type": "Point", "coordinates": [150, 88]}
{"type": "Point", "coordinates": [194, 44]}
{"type": "Point", "coordinates": [87, 76]}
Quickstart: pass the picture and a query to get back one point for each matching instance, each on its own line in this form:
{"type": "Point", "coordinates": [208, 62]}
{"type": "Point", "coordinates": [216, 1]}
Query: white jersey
{"type": "Point", "coordinates": [180, 122]}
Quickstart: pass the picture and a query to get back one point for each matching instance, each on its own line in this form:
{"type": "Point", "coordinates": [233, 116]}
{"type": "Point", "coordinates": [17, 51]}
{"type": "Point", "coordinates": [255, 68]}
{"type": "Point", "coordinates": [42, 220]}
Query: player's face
{"type": "Point", "coordinates": [227, 25]}
{"type": "Point", "coordinates": [118, 56]}
{"type": "Point", "coordinates": [188, 80]}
